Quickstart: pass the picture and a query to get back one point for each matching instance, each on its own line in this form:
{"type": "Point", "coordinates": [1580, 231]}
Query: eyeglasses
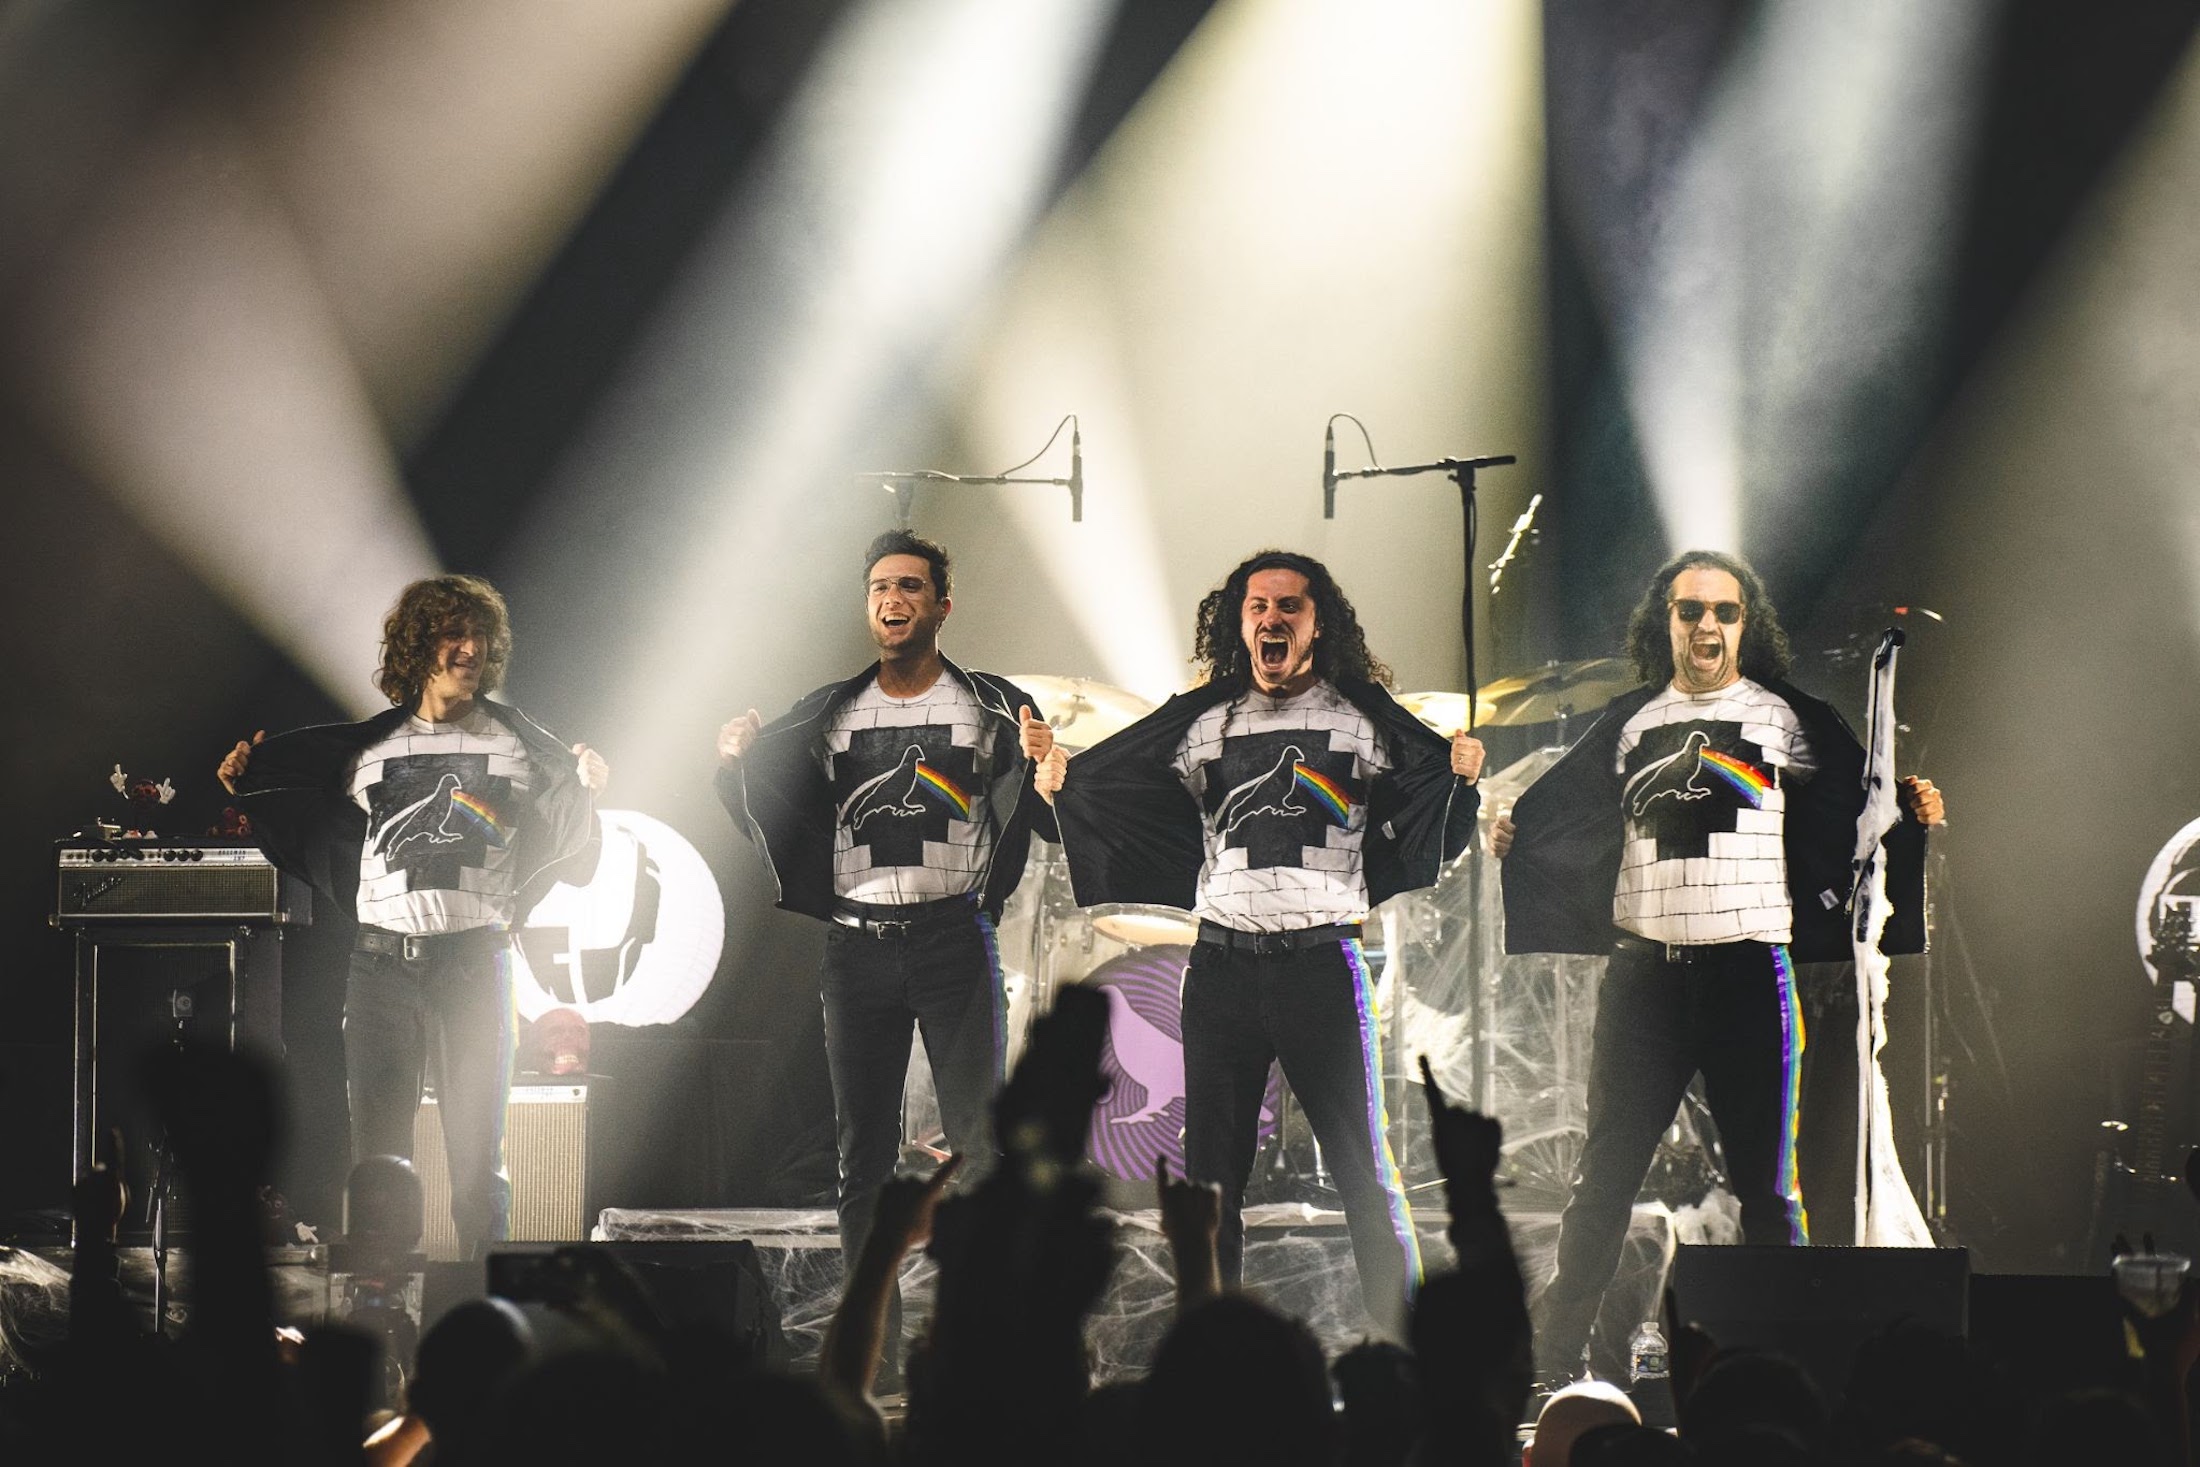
{"type": "Point", "coordinates": [907, 585]}
{"type": "Point", "coordinates": [1691, 611]}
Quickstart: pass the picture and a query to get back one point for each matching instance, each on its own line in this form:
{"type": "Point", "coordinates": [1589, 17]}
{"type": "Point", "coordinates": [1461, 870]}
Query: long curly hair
{"type": "Point", "coordinates": [1218, 642]}
{"type": "Point", "coordinates": [1763, 653]}
{"type": "Point", "coordinates": [428, 611]}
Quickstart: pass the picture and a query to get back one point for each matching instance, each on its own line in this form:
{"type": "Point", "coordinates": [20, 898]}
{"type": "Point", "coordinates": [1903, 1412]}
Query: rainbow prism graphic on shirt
{"type": "Point", "coordinates": [1325, 792]}
{"type": "Point", "coordinates": [1749, 782]}
{"type": "Point", "coordinates": [935, 779]}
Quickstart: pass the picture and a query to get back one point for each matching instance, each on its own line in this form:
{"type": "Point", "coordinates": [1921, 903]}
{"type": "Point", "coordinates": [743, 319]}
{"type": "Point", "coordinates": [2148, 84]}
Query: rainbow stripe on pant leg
{"type": "Point", "coordinates": [1378, 1116]}
{"type": "Point", "coordinates": [1787, 1179]}
{"type": "Point", "coordinates": [996, 998]}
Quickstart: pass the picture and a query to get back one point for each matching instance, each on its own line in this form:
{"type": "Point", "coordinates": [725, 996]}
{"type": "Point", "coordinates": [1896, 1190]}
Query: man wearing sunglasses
{"type": "Point", "coordinates": [1701, 834]}
{"type": "Point", "coordinates": [898, 807]}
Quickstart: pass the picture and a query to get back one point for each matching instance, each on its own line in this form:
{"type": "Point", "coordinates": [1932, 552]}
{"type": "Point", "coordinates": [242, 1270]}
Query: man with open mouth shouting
{"type": "Point", "coordinates": [1701, 833]}
{"type": "Point", "coordinates": [1279, 801]}
{"type": "Point", "coordinates": [898, 807]}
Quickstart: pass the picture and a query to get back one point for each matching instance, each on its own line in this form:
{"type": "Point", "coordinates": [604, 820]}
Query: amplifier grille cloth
{"type": "Point", "coordinates": [545, 1153]}
{"type": "Point", "coordinates": [168, 891]}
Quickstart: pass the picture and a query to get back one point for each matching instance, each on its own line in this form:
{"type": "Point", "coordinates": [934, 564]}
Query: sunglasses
{"type": "Point", "coordinates": [1691, 612]}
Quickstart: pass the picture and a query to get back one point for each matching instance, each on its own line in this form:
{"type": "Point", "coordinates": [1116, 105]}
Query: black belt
{"type": "Point", "coordinates": [905, 919]}
{"type": "Point", "coordinates": [1678, 952]}
{"type": "Point", "coordinates": [1276, 944]}
{"type": "Point", "coordinates": [420, 947]}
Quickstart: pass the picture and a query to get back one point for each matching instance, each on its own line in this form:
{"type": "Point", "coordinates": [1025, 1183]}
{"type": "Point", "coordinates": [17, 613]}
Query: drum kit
{"type": "Point", "coordinates": [1509, 1035]}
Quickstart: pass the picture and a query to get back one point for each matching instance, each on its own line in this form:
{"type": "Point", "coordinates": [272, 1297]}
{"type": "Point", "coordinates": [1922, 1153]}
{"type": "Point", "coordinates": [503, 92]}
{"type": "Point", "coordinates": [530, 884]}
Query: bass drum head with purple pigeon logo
{"type": "Point", "coordinates": [1142, 1115]}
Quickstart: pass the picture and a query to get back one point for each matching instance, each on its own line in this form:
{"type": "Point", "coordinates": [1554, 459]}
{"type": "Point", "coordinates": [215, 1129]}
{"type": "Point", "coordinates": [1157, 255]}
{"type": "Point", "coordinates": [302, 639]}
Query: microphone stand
{"type": "Point", "coordinates": [902, 483]}
{"type": "Point", "coordinates": [1461, 471]}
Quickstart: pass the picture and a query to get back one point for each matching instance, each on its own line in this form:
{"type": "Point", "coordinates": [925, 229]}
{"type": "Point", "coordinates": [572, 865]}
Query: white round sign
{"type": "Point", "coordinates": [638, 944]}
{"type": "Point", "coordinates": [2173, 881]}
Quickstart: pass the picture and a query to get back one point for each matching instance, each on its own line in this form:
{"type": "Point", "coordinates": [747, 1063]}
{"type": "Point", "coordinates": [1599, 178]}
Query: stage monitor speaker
{"type": "Point", "coordinates": [1816, 1305]}
{"type": "Point", "coordinates": [545, 1154]}
{"type": "Point", "coordinates": [138, 989]}
{"type": "Point", "coordinates": [716, 1285]}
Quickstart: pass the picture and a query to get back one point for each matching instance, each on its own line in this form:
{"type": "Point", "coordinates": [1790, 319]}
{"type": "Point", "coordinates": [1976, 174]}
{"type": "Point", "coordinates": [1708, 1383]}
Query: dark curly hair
{"type": "Point", "coordinates": [1218, 642]}
{"type": "Point", "coordinates": [1764, 650]}
{"type": "Point", "coordinates": [902, 542]}
{"type": "Point", "coordinates": [428, 611]}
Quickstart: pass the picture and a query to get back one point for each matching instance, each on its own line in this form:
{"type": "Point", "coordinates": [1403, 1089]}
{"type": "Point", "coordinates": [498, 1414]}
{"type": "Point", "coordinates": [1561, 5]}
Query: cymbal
{"type": "Point", "coordinates": [1081, 711]}
{"type": "Point", "coordinates": [1447, 712]}
{"type": "Point", "coordinates": [1561, 690]}
{"type": "Point", "coordinates": [1144, 926]}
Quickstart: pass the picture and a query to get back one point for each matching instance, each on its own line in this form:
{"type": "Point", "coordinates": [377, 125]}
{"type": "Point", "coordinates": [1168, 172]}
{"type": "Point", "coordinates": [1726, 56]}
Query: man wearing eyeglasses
{"type": "Point", "coordinates": [898, 807]}
{"type": "Point", "coordinates": [1701, 834]}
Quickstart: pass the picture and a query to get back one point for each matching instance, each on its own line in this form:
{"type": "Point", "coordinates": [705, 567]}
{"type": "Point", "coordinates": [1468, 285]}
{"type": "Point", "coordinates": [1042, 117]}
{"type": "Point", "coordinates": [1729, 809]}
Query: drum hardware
{"type": "Point", "coordinates": [1082, 711]}
{"type": "Point", "coordinates": [1145, 926]}
{"type": "Point", "coordinates": [1559, 690]}
{"type": "Point", "coordinates": [1447, 712]}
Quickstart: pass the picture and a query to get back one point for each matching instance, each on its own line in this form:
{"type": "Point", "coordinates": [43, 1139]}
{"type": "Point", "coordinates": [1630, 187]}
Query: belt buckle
{"type": "Point", "coordinates": [412, 947]}
{"type": "Point", "coordinates": [894, 927]}
{"type": "Point", "coordinates": [1270, 944]}
{"type": "Point", "coordinates": [1676, 952]}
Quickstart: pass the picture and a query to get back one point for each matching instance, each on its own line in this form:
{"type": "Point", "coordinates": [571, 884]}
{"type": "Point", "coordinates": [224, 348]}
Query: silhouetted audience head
{"type": "Point", "coordinates": [1379, 1385]}
{"type": "Point", "coordinates": [1909, 1382]}
{"type": "Point", "coordinates": [1570, 1413]}
{"type": "Point", "coordinates": [2094, 1426]}
{"type": "Point", "coordinates": [1236, 1381]}
{"type": "Point", "coordinates": [1759, 1444]}
{"type": "Point", "coordinates": [582, 1407]}
{"type": "Point", "coordinates": [1622, 1445]}
{"type": "Point", "coordinates": [1742, 1388]}
{"type": "Point", "coordinates": [469, 1353]}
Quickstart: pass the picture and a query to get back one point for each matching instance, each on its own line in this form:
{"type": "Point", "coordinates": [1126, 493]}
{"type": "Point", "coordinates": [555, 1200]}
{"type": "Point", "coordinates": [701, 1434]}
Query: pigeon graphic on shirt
{"type": "Point", "coordinates": [899, 787]}
{"type": "Point", "coordinates": [1277, 797]}
{"type": "Point", "coordinates": [1688, 781]}
{"type": "Point", "coordinates": [434, 815]}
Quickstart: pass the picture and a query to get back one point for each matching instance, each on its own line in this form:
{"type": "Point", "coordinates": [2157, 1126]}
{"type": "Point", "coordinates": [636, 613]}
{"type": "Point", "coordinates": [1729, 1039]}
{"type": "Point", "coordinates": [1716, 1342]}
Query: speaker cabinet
{"type": "Point", "coordinates": [140, 988]}
{"type": "Point", "coordinates": [545, 1154]}
{"type": "Point", "coordinates": [718, 1285]}
{"type": "Point", "coordinates": [1816, 1305]}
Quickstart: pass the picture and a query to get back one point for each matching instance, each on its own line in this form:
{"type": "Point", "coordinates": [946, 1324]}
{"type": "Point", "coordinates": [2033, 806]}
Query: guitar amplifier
{"type": "Point", "coordinates": [174, 880]}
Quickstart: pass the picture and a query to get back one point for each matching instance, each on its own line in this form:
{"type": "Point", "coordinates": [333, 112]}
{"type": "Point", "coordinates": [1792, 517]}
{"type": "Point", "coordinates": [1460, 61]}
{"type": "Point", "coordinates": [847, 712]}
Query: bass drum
{"type": "Point", "coordinates": [1140, 1120]}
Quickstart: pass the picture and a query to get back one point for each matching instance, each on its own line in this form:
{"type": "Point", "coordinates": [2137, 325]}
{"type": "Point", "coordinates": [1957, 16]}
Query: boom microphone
{"type": "Point", "coordinates": [1329, 470]}
{"type": "Point", "coordinates": [1076, 473]}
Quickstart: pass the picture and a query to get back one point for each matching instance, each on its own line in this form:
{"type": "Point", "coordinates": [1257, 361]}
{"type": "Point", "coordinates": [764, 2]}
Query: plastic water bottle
{"type": "Point", "coordinates": [1648, 1356]}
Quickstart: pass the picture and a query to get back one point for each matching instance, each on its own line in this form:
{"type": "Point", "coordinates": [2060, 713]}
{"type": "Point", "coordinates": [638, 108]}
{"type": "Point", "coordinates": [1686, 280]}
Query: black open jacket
{"type": "Point", "coordinates": [1565, 857]}
{"type": "Point", "coordinates": [779, 796]}
{"type": "Point", "coordinates": [1133, 833]}
{"type": "Point", "coordinates": [304, 818]}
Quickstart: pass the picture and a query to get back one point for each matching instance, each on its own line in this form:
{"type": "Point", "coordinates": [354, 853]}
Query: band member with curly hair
{"type": "Point", "coordinates": [1279, 801]}
{"type": "Point", "coordinates": [436, 824]}
{"type": "Point", "coordinates": [1701, 834]}
{"type": "Point", "coordinates": [898, 807]}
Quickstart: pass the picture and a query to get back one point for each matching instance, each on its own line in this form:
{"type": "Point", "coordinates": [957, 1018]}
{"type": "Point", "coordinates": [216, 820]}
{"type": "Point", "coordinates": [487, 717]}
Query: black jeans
{"type": "Point", "coordinates": [1314, 1011]}
{"type": "Point", "coordinates": [1728, 1011]}
{"type": "Point", "coordinates": [444, 1019]}
{"type": "Point", "coordinates": [944, 978]}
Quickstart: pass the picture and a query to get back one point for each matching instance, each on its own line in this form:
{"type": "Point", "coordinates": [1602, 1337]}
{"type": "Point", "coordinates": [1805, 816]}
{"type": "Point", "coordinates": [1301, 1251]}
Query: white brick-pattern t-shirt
{"type": "Point", "coordinates": [909, 777]}
{"type": "Point", "coordinates": [1282, 784]}
{"type": "Point", "coordinates": [1703, 795]}
{"type": "Point", "coordinates": [444, 802]}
